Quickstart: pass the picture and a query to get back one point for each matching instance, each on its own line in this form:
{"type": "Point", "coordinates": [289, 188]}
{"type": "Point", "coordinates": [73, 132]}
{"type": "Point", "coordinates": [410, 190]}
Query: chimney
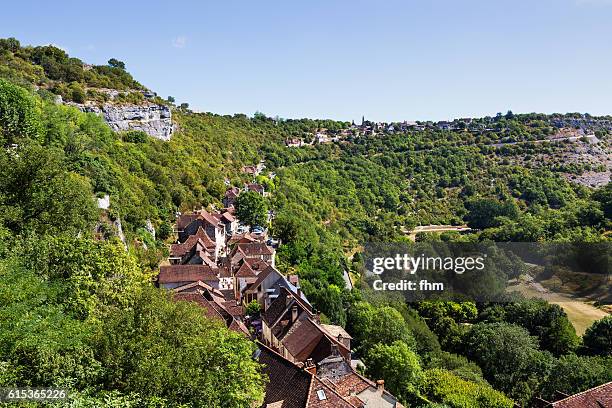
{"type": "Point", "coordinates": [310, 367]}
{"type": "Point", "coordinates": [380, 386]}
{"type": "Point", "coordinates": [294, 313]}
{"type": "Point", "coordinates": [266, 303]}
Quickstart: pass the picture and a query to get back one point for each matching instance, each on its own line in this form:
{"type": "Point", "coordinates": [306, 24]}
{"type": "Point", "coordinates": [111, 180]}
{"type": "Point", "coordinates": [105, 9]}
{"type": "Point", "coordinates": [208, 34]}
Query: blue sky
{"type": "Point", "coordinates": [387, 60]}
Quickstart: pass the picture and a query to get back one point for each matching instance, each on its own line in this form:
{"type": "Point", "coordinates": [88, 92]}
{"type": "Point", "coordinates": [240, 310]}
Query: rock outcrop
{"type": "Point", "coordinates": [153, 119]}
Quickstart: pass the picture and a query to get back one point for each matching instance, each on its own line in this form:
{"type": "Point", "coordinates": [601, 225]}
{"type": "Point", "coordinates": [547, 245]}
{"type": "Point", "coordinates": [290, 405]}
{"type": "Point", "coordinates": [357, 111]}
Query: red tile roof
{"type": "Point", "coordinates": [245, 271]}
{"type": "Point", "coordinates": [197, 287]}
{"type": "Point", "coordinates": [209, 218]}
{"type": "Point", "coordinates": [288, 385]}
{"type": "Point", "coordinates": [322, 395]}
{"type": "Point", "coordinates": [232, 192]}
{"type": "Point", "coordinates": [597, 397]}
{"type": "Point", "coordinates": [239, 327]}
{"type": "Point", "coordinates": [352, 384]}
{"type": "Point", "coordinates": [302, 339]}
{"type": "Point", "coordinates": [258, 188]}
{"type": "Point", "coordinates": [256, 264]}
{"type": "Point", "coordinates": [187, 273]}
{"type": "Point", "coordinates": [186, 219]}
{"type": "Point", "coordinates": [200, 237]}
{"type": "Point", "coordinates": [228, 216]}
{"type": "Point", "coordinates": [263, 275]}
{"type": "Point", "coordinates": [255, 248]}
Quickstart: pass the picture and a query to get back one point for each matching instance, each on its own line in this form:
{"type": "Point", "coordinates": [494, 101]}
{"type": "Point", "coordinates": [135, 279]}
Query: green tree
{"type": "Point", "coordinates": [604, 196]}
{"type": "Point", "coordinates": [509, 358]}
{"type": "Point", "coordinates": [19, 114]}
{"type": "Point", "coordinates": [253, 308]}
{"type": "Point", "coordinates": [598, 338]}
{"type": "Point", "coordinates": [397, 365]}
{"type": "Point", "coordinates": [77, 93]}
{"type": "Point", "coordinates": [41, 344]}
{"type": "Point", "coordinates": [115, 63]}
{"type": "Point", "coordinates": [92, 273]}
{"type": "Point", "coordinates": [572, 374]}
{"type": "Point", "coordinates": [164, 231]}
{"type": "Point", "coordinates": [373, 325]}
{"type": "Point", "coordinates": [483, 213]}
{"type": "Point", "coordinates": [546, 321]}
{"type": "Point", "coordinates": [37, 194]}
{"type": "Point", "coordinates": [198, 362]}
{"type": "Point", "coordinates": [252, 209]}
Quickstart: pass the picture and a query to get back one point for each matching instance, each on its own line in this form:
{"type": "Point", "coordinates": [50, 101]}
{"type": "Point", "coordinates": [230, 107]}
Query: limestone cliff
{"type": "Point", "coordinates": [153, 119]}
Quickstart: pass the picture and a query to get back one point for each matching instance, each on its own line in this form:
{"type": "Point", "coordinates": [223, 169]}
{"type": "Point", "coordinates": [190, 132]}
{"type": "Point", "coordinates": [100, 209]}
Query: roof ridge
{"type": "Point", "coordinates": [582, 393]}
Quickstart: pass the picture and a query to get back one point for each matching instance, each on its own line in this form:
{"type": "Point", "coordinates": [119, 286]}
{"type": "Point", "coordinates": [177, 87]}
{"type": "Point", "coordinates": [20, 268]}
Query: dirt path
{"type": "Point", "coordinates": [580, 313]}
{"type": "Point", "coordinates": [434, 228]}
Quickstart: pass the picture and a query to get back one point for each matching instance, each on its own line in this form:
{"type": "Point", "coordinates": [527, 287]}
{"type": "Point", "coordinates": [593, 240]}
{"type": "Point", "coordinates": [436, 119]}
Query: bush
{"type": "Point", "coordinates": [135, 136]}
{"type": "Point", "coordinates": [445, 387]}
{"type": "Point", "coordinates": [18, 114]}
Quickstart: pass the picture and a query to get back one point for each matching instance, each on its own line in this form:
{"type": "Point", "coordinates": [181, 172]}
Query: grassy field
{"type": "Point", "coordinates": [580, 312]}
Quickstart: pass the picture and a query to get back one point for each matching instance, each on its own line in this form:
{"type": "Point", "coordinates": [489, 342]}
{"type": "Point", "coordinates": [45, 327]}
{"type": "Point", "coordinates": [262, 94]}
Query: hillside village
{"type": "Point", "coordinates": [375, 180]}
{"type": "Point", "coordinates": [562, 127]}
{"type": "Point", "coordinates": [229, 270]}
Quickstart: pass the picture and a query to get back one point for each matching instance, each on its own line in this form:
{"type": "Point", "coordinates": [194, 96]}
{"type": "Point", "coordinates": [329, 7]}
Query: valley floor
{"type": "Point", "coordinates": [580, 312]}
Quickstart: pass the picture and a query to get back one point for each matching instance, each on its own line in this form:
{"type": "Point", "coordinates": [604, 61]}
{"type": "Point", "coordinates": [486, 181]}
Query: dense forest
{"type": "Point", "coordinates": [81, 313]}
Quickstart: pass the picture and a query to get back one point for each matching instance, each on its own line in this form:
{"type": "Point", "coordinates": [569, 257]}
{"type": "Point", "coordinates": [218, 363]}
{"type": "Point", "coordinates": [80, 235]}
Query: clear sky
{"type": "Point", "coordinates": [387, 60]}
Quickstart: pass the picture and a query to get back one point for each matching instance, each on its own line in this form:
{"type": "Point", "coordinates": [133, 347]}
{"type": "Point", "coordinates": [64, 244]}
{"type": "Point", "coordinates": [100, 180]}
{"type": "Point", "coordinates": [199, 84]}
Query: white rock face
{"type": "Point", "coordinates": [155, 120]}
{"type": "Point", "coordinates": [104, 202]}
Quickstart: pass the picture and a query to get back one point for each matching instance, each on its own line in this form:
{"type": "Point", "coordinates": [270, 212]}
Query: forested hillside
{"type": "Point", "coordinates": [77, 308]}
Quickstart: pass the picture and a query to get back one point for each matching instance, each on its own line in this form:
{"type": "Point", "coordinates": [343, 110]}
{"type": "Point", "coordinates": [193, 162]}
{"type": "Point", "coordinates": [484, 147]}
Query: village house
{"type": "Point", "coordinates": [295, 386]}
{"type": "Point", "coordinates": [328, 384]}
{"type": "Point", "coordinates": [213, 303]}
{"type": "Point", "coordinates": [257, 188]}
{"type": "Point", "coordinates": [338, 333]}
{"type": "Point", "coordinates": [173, 276]}
{"type": "Point", "coordinates": [189, 224]}
{"type": "Point", "coordinates": [228, 220]}
{"type": "Point", "coordinates": [231, 194]}
{"type": "Point", "coordinates": [294, 142]}
{"type": "Point", "coordinates": [197, 249]}
{"type": "Point", "coordinates": [253, 250]}
{"type": "Point", "coordinates": [264, 287]}
{"type": "Point", "coordinates": [254, 170]}
{"type": "Point", "coordinates": [352, 386]}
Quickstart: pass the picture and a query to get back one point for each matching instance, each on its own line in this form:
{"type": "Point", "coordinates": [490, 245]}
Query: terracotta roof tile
{"type": "Point", "coordinates": [289, 384]}
{"type": "Point", "coordinates": [187, 273]}
{"type": "Point", "coordinates": [302, 339]}
{"type": "Point", "coordinates": [186, 219]}
{"type": "Point", "coordinates": [238, 326]}
{"type": "Point", "coordinates": [245, 271]}
{"type": "Point", "coordinates": [323, 396]}
{"type": "Point", "coordinates": [351, 384]}
{"type": "Point", "coordinates": [597, 397]}
{"type": "Point", "coordinates": [255, 248]}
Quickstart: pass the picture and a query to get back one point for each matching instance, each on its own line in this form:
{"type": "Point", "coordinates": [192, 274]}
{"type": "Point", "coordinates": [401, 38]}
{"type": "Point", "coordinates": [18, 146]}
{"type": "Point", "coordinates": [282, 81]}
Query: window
{"type": "Point", "coordinates": [321, 395]}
